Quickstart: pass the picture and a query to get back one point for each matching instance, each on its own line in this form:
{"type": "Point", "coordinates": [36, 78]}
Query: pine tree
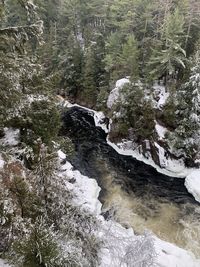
{"type": "Point", "coordinates": [89, 82]}
{"type": "Point", "coordinates": [129, 57]}
{"type": "Point", "coordinates": [73, 71]}
{"type": "Point", "coordinates": [94, 75]}
{"type": "Point", "coordinates": [113, 53]}
{"type": "Point", "coordinates": [169, 57]}
{"type": "Point", "coordinates": [187, 133]}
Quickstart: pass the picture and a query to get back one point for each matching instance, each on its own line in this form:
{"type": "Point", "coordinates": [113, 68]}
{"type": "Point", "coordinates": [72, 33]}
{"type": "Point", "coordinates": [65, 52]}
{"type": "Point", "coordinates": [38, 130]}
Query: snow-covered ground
{"type": "Point", "coordinates": [11, 137]}
{"type": "Point", "coordinates": [192, 183]}
{"type": "Point", "coordinates": [161, 131]}
{"type": "Point", "coordinates": [4, 264]}
{"type": "Point", "coordinates": [86, 190]}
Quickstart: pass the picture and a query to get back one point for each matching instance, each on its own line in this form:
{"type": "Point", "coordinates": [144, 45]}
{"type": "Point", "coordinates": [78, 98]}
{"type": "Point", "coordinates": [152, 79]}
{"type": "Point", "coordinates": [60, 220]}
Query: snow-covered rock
{"type": "Point", "coordinates": [115, 93]}
{"type": "Point", "coordinates": [174, 168]}
{"type": "Point", "coordinates": [100, 120]}
{"type": "Point", "coordinates": [192, 183]}
{"type": "Point", "coordinates": [159, 92]}
{"type": "Point", "coordinates": [120, 244]}
{"type": "Point", "coordinates": [61, 155]}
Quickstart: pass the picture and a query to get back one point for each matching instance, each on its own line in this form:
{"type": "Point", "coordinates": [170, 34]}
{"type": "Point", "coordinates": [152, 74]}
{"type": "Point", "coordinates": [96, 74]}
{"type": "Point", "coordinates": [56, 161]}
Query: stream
{"type": "Point", "coordinates": [133, 192]}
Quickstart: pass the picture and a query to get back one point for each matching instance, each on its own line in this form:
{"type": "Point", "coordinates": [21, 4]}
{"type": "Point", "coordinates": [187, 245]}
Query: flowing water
{"type": "Point", "coordinates": [135, 193]}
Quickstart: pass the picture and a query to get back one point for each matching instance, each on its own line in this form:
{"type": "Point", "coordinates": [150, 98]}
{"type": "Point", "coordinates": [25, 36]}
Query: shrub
{"type": "Point", "coordinates": [38, 248]}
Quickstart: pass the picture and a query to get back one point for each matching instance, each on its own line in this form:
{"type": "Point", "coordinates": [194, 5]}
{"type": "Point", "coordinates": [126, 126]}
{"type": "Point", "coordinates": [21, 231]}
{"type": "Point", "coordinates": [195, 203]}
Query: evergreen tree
{"type": "Point", "coordinates": [90, 82]}
{"type": "Point", "coordinates": [129, 57]}
{"type": "Point", "coordinates": [94, 76]}
{"type": "Point", "coordinates": [187, 133]}
{"type": "Point", "coordinates": [113, 53]}
{"type": "Point", "coordinates": [169, 57]}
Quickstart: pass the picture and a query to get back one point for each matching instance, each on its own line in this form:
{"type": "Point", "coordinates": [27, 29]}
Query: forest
{"type": "Point", "coordinates": [77, 50]}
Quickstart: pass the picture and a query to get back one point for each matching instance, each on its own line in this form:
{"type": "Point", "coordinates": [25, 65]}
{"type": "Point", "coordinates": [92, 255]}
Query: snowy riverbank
{"type": "Point", "coordinates": [117, 239]}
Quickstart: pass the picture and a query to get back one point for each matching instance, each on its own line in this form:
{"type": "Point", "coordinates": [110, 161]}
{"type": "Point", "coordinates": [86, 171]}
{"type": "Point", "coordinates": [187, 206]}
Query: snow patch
{"type": "Point", "coordinates": [169, 255]}
{"type": "Point", "coordinates": [11, 137]}
{"type": "Point", "coordinates": [4, 264]}
{"type": "Point", "coordinates": [119, 239]}
{"type": "Point", "coordinates": [61, 155]}
{"type": "Point", "coordinates": [162, 95]}
{"type": "Point", "coordinates": [161, 155]}
{"type": "Point", "coordinates": [86, 190]}
{"type": "Point", "coordinates": [172, 165]}
{"type": "Point", "coordinates": [2, 162]}
{"type": "Point", "coordinates": [37, 97]}
{"type": "Point", "coordinates": [115, 93]}
{"type": "Point", "coordinates": [100, 121]}
{"type": "Point", "coordinates": [161, 131]}
{"type": "Point", "coordinates": [192, 183]}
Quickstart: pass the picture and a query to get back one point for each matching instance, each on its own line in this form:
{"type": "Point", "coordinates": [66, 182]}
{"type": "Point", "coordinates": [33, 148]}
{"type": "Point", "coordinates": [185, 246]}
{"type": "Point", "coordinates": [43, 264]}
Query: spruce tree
{"type": "Point", "coordinates": [169, 57]}
{"type": "Point", "coordinates": [89, 79]}
{"type": "Point", "coordinates": [187, 133]}
{"type": "Point", "coordinates": [129, 57]}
